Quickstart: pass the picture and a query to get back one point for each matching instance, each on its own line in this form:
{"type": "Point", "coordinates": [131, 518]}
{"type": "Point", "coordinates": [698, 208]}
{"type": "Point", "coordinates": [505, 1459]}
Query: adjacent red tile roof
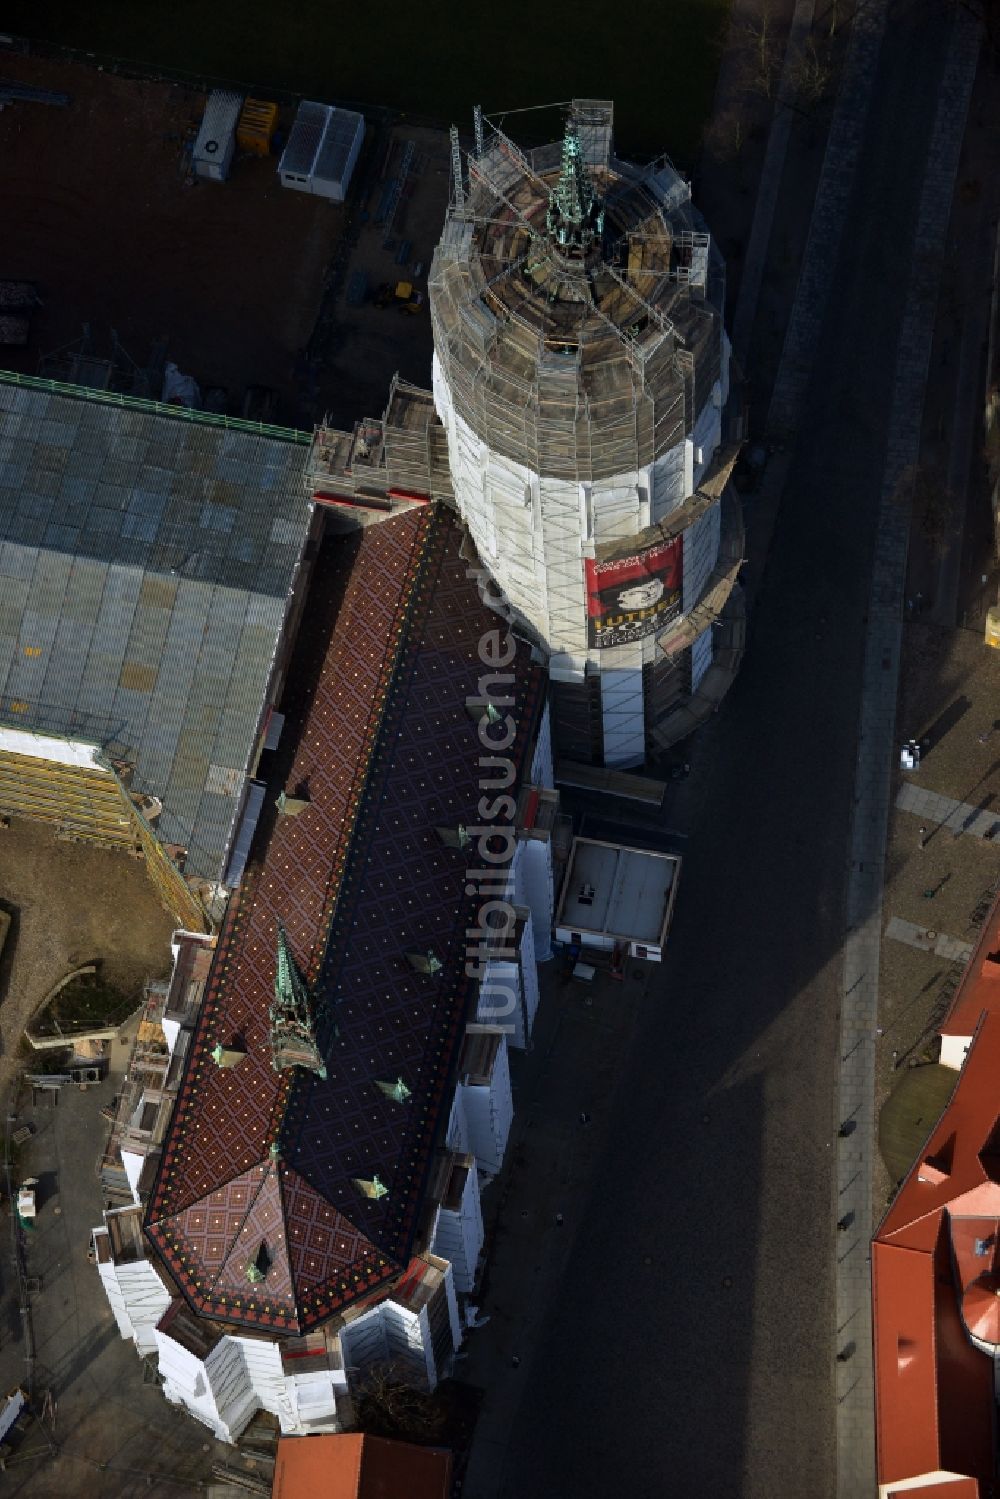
{"type": "Point", "coordinates": [359, 1467]}
{"type": "Point", "coordinates": [359, 878]}
{"type": "Point", "coordinates": [935, 1268]}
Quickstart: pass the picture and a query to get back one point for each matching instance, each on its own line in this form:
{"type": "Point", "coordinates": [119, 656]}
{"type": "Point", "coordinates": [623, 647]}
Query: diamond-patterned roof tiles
{"type": "Point", "coordinates": [387, 752]}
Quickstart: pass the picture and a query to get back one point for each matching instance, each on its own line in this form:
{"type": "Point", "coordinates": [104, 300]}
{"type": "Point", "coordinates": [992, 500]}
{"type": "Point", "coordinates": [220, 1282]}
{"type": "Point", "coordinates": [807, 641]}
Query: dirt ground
{"type": "Point", "coordinates": [71, 904]}
{"type": "Point", "coordinates": [359, 348]}
{"type": "Point", "coordinates": [96, 212]}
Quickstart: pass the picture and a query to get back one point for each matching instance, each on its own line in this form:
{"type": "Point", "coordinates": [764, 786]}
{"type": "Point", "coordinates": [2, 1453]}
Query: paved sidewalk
{"type": "Point", "coordinates": [928, 940]}
{"type": "Point", "coordinates": [944, 814]}
{"type": "Point", "coordinates": [855, 1406]}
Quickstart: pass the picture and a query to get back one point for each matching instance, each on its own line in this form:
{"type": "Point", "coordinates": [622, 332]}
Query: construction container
{"type": "Point", "coordinates": [255, 130]}
{"type": "Point", "coordinates": [322, 150]}
{"type": "Point", "coordinates": [215, 143]}
{"type": "Point", "coordinates": [993, 627]}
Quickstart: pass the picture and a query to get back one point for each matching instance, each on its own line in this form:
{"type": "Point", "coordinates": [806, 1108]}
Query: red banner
{"type": "Point", "coordinates": [633, 596]}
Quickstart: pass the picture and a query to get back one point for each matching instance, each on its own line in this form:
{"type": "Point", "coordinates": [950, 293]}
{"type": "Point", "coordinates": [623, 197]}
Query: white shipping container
{"type": "Point", "coordinates": [322, 149]}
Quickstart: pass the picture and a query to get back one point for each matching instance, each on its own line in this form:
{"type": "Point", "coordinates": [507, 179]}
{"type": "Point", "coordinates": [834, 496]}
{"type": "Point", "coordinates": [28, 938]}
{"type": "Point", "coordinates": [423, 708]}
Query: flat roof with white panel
{"type": "Point", "coordinates": [616, 894]}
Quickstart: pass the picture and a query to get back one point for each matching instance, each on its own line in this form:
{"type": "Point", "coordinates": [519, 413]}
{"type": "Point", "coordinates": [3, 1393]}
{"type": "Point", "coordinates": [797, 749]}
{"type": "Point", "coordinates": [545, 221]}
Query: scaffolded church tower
{"type": "Point", "coordinates": [581, 373]}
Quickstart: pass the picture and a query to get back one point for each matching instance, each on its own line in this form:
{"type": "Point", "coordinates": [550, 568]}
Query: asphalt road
{"type": "Point", "coordinates": [690, 1351]}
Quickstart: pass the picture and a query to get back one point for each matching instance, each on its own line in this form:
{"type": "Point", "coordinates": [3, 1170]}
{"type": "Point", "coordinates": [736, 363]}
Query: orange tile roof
{"type": "Point", "coordinates": [353, 1466]}
{"type": "Point", "coordinates": [905, 1367]}
{"type": "Point", "coordinates": [933, 1388]}
{"type": "Point", "coordinates": [980, 986]}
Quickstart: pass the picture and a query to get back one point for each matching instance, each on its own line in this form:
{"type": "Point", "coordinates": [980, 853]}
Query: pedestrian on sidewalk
{"type": "Point", "coordinates": [923, 837]}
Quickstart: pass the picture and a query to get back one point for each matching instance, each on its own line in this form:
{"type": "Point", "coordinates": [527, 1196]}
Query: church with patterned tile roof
{"type": "Point", "coordinates": [315, 1206]}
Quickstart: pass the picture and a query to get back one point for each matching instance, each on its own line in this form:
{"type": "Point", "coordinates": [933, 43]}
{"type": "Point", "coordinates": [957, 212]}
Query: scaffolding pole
{"type": "Point", "coordinates": [457, 185]}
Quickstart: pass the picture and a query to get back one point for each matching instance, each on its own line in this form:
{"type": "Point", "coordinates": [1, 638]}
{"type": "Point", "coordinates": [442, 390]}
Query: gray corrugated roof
{"type": "Point", "coordinates": [303, 142]}
{"type": "Point", "coordinates": [331, 160]}
{"type": "Point", "coordinates": [145, 564]}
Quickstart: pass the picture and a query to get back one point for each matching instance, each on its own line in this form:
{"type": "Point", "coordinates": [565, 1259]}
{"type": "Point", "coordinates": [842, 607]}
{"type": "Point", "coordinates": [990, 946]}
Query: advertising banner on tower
{"type": "Point", "coordinates": [635, 595]}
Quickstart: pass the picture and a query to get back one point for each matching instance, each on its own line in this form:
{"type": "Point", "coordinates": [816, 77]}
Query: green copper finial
{"type": "Point", "coordinates": [459, 837]}
{"type": "Point", "coordinates": [397, 1091]}
{"type": "Point", "coordinates": [293, 1039]}
{"type": "Point", "coordinates": [228, 1056]}
{"type": "Point", "coordinates": [258, 1267]}
{"type": "Point", "coordinates": [373, 1189]}
{"type": "Point", "coordinates": [425, 962]}
{"type": "Point", "coordinates": [575, 217]}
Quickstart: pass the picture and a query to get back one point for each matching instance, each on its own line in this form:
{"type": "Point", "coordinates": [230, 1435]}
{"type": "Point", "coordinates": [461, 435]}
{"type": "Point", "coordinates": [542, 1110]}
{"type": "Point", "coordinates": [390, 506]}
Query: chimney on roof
{"type": "Point", "coordinates": [991, 965]}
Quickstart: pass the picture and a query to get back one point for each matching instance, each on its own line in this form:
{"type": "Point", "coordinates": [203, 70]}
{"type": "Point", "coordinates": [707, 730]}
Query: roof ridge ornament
{"type": "Point", "coordinates": [575, 215]}
{"type": "Point", "coordinates": [230, 1055]}
{"type": "Point", "coordinates": [427, 962]}
{"type": "Point", "coordinates": [373, 1189]}
{"type": "Point", "coordinates": [397, 1091]}
{"type": "Point", "coordinates": [293, 1036]}
{"type": "Point", "coordinates": [258, 1267]}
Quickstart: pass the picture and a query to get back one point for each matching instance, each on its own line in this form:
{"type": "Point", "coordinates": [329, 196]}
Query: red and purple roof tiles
{"type": "Point", "coordinates": [260, 1169]}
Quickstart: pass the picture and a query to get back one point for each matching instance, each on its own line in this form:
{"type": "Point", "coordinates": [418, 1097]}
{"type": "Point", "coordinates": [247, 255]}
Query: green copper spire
{"type": "Point", "coordinates": [293, 1039]}
{"type": "Point", "coordinates": [575, 217]}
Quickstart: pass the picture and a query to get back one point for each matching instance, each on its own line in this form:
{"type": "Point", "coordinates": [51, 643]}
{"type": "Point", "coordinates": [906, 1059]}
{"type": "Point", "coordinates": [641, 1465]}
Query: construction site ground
{"type": "Point", "coordinates": [101, 213]}
{"type": "Point", "coordinates": [108, 1433]}
{"type": "Point", "coordinates": [356, 349]}
{"type": "Point", "coordinates": [72, 903]}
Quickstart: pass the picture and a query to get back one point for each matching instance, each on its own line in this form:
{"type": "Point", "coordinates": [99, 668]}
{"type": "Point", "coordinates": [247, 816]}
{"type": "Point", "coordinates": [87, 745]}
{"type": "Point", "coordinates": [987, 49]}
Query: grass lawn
{"type": "Point", "coordinates": [910, 1112]}
{"type": "Point", "coordinates": [658, 62]}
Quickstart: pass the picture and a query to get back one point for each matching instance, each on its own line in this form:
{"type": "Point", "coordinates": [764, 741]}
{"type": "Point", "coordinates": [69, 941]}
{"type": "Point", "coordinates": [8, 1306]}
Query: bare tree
{"type": "Point", "coordinates": [389, 1406]}
{"type": "Point", "coordinates": [812, 74]}
{"type": "Point", "coordinates": [763, 51]}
